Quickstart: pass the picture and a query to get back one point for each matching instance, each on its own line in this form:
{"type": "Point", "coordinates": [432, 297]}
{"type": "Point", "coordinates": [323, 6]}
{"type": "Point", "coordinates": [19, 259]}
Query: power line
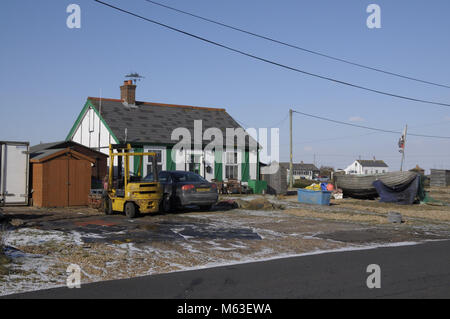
{"type": "Point", "coordinates": [273, 62]}
{"type": "Point", "coordinates": [367, 127]}
{"type": "Point", "coordinates": [331, 139]}
{"type": "Point", "coordinates": [378, 155]}
{"type": "Point", "coordinates": [356, 136]}
{"type": "Point", "coordinates": [278, 123]}
{"type": "Point", "coordinates": [298, 47]}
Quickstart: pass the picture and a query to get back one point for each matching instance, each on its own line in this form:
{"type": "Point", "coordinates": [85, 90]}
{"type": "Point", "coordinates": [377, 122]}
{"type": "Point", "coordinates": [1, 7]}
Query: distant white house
{"type": "Point", "coordinates": [367, 167]}
{"type": "Point", "coordinates": [301, 170]}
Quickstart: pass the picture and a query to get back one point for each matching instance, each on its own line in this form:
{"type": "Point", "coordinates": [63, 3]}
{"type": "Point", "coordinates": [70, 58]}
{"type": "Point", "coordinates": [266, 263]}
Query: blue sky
{"type": "Point", "coordinates": [48, 70]}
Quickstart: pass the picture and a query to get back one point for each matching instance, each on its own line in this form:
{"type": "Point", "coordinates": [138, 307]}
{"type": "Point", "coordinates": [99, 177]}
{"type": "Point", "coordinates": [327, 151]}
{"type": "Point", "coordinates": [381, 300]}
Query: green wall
{"type": "Point", "coordinates": [218, 170]}
{"type": "Point", "coordinates": [245, 176]}
{"type": "Point", "coordinates": [136, 161]}
{"type": "Point", "coordinates": [170, 164]}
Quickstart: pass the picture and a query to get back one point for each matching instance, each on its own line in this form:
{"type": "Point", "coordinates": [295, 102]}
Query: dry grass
{"type": "Point", "coordinates": [435, 213]}
{"type": "Point", "coordinates": [439, 190]}
{"type": "Point", "coordinates": [3, 259]}
{"type": "Point", "coordinates": [372, 211]}
{"type": "Point", "coordinates": [338, 216]}
{"type": "Point", "coordinates": [427, 212]}
{"type": "Point", "coordinates": [2, 239]}
{"type": "Point", "coordinates": [107, 262]}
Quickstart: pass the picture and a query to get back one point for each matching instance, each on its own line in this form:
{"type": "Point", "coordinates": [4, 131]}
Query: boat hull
{"type": "Point", "coordinates": [358, 186]}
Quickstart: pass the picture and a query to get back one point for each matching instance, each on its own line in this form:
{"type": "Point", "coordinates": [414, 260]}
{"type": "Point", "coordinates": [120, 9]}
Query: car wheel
{"type": "Point", "coordinates": [176, 203]}
{"type": "Point", "coordinates": [205, 207]}
{"type": "Point", "coordinates": [130, 210]}
{"type": "Point", "coordinates": [166, 205]}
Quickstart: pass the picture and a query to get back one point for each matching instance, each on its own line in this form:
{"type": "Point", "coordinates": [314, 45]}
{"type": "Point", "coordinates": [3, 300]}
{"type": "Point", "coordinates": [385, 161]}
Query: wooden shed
{"type": "Point", "coordinates": [99, 169]}
{"type": "Point", "coordinates": [61, 178]}
{"type": "Point", "coordinates": [440, 178]}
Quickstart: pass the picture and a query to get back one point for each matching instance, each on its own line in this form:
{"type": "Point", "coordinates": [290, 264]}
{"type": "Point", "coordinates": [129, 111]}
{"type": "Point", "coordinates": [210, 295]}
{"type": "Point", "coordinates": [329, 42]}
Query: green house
{"type": "Point", "coordinates": [152, 127]}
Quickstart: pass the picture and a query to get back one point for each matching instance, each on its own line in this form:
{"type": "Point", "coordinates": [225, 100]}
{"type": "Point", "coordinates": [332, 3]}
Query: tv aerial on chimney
{"type": "Point", "coordinates": [134, 77]}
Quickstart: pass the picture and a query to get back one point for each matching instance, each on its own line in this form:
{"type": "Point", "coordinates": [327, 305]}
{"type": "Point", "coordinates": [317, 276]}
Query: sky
{"type": "Point", "coordinates": [48, 70]}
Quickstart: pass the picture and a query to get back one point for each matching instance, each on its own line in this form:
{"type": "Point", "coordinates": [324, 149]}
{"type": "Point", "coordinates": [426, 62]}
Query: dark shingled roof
{"type": "Point", "coordinates": [43, 150]}
{"type": "Point", "coordinates": [37, 155]}
{"type": "Point", "coordinates": [45, 146]}
{"type": "Point", "coordinates": [300, 166]}
{"type": "Point", "coordinates": [372, 163]}
{"type": "Point", "coordinates": [154, 122]}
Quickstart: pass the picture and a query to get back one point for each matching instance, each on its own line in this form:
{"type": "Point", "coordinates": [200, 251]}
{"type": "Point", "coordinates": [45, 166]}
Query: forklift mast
{"type": "Point", "coordinates": [123, 152]}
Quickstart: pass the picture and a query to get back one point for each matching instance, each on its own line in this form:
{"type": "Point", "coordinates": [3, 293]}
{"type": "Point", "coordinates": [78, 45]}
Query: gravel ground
{"type": "Point", "coordinates": [45, 241]}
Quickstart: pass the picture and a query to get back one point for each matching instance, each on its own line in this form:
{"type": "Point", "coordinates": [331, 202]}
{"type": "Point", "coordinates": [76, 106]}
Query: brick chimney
{"type": "Point", "coordinates": [128, 92]}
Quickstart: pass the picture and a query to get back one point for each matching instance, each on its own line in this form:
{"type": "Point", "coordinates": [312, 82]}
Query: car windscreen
{"type": "Point", "coordinates": [162, 177]}
{"type": "Point", "coordinates": [148, 178]}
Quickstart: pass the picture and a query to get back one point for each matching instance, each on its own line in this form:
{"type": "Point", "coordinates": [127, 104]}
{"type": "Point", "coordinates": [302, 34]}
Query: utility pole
{"type": "Point", "coordinates": [291, 181]}
{"type": "Point", "coordinates": [403, 139]}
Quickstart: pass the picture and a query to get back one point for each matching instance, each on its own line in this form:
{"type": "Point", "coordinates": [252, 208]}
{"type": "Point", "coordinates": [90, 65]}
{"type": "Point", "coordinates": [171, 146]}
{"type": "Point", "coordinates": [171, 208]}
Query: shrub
{"type": "Point", "coordinates": [302, 183]}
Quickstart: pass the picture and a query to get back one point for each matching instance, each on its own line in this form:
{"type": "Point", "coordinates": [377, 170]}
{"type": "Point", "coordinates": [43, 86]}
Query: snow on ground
{"type": "Point", "coordinates": [30, 271]}
{"type": "Point", "coordinates": [33, 272]}
{"type": "Point", "coordinates": [200, 240]}
{"type": "Point", "coordinates": [31, 236]}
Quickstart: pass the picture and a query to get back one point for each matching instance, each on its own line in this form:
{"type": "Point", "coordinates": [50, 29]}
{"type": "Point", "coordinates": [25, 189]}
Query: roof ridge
{"type": "Point", "coordinates": [161, 104]}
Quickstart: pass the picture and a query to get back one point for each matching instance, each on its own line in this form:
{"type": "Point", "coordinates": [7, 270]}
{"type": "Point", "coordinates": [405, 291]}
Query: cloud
{"type": "Point", "coordinates": [356, 119]}
{"type": "Point", "coordinates": [308, 148]}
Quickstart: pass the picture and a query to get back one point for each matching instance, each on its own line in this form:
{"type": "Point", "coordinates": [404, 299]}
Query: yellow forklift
{"type": "Point", "coordinates": [131, 193]}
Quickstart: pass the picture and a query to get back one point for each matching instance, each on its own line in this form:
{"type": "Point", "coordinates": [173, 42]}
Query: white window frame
{"type": "Point", "coordinates": [186, 155]}
{"type": "Point", "coordinates": [163, 157]}
{"type": "Point", "coordinates": [195, 158]}
{"type": "Point", "coordinates": [226, 163]}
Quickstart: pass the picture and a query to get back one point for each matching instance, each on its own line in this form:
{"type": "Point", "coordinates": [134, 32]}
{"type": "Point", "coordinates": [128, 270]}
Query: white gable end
{"type": "Point", "coordinates": [92, 133]}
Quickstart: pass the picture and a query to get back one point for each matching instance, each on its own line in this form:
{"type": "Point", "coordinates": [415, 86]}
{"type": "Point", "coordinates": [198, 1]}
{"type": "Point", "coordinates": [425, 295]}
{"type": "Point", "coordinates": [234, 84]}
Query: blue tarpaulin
{"type": "Point", "coordinates": [402, 195]}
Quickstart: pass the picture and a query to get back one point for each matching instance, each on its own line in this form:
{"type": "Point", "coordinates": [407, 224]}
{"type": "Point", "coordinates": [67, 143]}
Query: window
{"type": "Point", "coordinates": [231, 165]}
{"type": "Point", "coordinates": [159, 165]}
{"type": "Point", "coordinates": [195, 164]}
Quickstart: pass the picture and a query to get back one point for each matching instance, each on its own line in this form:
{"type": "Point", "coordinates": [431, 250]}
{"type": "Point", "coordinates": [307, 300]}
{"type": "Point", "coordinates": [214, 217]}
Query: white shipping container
{"type": "Point", "coordinates": [14, 163]}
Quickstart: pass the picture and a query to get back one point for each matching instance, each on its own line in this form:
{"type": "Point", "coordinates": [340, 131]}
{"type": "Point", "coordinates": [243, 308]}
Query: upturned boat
{"type": "Point", "coordinates": [361, 186]}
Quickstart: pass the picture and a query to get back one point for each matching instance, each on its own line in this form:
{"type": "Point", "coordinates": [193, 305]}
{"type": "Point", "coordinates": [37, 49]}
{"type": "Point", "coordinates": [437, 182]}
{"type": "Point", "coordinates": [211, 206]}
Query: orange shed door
{"type": "Point", "coordinates": [57, 183]}
{"type": "Point", "coordinates": [79, 182]}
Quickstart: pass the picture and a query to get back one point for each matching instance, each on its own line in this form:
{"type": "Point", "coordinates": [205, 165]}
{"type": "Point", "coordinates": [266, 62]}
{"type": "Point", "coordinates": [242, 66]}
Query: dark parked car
{"type": "Point", "coordinates": [185, 189]}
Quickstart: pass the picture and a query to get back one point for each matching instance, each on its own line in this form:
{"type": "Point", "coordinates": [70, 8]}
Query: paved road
{"type": "Point", "coordinates": [420, 271]}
